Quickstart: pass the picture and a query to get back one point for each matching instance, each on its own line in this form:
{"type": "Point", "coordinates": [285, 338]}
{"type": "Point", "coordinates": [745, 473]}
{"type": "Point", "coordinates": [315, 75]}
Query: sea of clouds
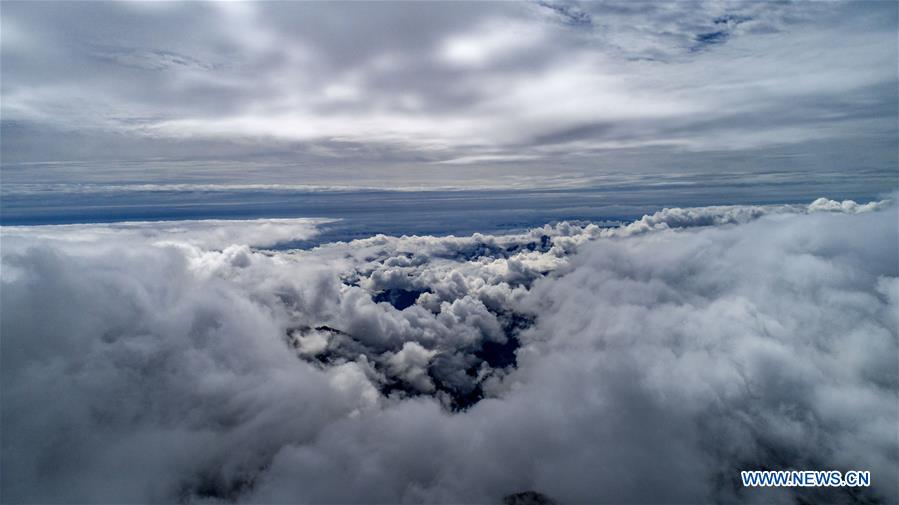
{"type": "Point", "coordinates": [190, 362]}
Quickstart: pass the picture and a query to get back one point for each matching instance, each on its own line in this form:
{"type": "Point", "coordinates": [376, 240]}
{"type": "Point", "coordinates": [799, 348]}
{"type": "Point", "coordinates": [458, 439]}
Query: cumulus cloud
{"type": "Point", "coordinates": [644, 363]}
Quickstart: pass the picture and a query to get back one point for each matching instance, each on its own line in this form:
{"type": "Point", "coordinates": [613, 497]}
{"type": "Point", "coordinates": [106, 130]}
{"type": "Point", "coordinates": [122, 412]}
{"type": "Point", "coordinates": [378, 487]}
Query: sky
{"type": "Point", "coordinates": [423, 252]}
{"type": "Point", "coordinates": [446, 95]}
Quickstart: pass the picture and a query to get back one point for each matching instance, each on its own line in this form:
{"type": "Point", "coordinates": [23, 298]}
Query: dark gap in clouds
{"type": "Point", "coordinates": [543, 246]}
{"type": "Point", "coordinates": [712, 37]}
{"type": "Point", "coordinates": [709, 39]}
{"type": "Point", "coordinates": [500, 355]}
{"type": "Point", "coordinates": [454, 374]}
{"type": "Point", "coordinates": [477, 250]}
{"type": "Point", "coordinates": [496, 354]}
{"type": "Point", "coordinates": [399, 298]}
{"type": "Point", "coordinates": [216, 486]}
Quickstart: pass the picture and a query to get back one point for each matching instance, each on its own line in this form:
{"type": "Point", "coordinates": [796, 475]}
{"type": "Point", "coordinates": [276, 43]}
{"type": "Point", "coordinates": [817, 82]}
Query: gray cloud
{"type": "Point", "coordinates": [401, 86]}
{"type": "Point", "coordinates": [645, 363]}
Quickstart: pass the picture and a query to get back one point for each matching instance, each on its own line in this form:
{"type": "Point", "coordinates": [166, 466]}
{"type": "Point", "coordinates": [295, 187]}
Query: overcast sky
{"type": "Point", "coordinates": [368, 89]}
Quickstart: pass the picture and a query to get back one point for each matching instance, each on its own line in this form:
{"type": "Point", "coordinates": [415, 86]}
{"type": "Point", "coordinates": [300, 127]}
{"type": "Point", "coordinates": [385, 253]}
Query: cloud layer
{"type": "Point", "coordinates": [358, 88]}
{"type": "Point", "coordinates": [645, 363]}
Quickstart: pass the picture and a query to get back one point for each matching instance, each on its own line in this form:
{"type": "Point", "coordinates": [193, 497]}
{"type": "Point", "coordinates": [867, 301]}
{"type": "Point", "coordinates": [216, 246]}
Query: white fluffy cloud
{"type": "Point", "coordinates": [646, 363]}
